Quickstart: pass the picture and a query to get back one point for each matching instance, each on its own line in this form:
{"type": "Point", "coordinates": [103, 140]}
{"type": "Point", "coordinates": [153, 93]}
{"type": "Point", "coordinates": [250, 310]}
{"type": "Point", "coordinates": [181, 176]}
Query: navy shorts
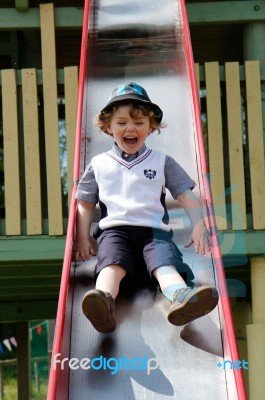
{"type": "Point", "coordinates": [138, 248]}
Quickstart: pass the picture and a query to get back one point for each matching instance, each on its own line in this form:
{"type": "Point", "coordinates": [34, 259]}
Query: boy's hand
{"type": "Point", "coordinates": [200, 236]}
{"type": "Point", "coordinates": [84, 249]}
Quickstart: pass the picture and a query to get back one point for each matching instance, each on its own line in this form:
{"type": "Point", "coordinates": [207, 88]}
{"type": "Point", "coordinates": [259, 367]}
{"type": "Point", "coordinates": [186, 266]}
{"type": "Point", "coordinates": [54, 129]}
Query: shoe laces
{"type": "Point", "coordinates": [179, 292]}
{"type": "Point", "coordinates": [107, 294]}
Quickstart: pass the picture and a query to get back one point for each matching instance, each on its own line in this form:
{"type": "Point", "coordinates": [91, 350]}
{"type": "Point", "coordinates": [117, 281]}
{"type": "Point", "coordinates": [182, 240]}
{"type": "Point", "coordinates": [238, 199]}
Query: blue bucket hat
{"type": "Point", "coordinates": [133, 91]}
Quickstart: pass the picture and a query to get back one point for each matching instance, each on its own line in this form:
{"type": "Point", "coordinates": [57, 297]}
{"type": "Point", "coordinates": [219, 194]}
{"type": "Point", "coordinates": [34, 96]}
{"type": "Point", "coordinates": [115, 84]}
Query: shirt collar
{"type": "Point", "coordinates": [128, 157]}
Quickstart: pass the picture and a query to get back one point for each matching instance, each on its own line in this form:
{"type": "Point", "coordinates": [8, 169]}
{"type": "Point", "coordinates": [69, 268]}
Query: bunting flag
{"type": "Point", "coordinates": [39, 329]}
{"type": "Point", "coordinates": [7, 344]}
{"type": "Point", "coordinates": [13, 341]}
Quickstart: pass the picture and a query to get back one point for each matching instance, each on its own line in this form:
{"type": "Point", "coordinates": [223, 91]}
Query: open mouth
{"type": "Point", "coordinates": [130, 140]}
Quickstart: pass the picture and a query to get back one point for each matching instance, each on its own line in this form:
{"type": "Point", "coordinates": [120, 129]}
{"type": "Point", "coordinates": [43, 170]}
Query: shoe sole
{"type": "Point", "coordinates": [96, 309]}
{"type": "Point", "coordinates": [197, 306]}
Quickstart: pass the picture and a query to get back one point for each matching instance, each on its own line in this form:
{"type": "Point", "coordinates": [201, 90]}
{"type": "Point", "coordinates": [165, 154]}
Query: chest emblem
{"type": "Point", "coordinates": [149, 173]}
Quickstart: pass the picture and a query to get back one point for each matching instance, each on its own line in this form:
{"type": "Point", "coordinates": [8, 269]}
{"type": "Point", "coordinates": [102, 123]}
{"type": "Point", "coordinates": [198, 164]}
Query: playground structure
{"type": "Point", "coordinates": [166, 46]}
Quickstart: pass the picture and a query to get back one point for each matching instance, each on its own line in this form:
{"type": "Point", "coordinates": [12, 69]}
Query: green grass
{"type": "Point", "coordinates": [10, 390]}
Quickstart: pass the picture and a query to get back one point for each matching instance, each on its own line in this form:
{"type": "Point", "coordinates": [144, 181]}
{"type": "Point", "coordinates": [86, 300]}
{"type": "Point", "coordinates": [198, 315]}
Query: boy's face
{"type": "Point", "coordinates": [128, 132]}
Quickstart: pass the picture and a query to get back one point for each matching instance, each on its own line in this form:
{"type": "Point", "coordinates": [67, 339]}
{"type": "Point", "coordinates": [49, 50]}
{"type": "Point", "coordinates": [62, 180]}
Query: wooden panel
{"type": "Point", "coordinates": [44, 308]}
{"type": "Point", "coordinates": [218, 12]}
{"type": "Point", "coordinates": [51, 120]}
{"type": "Point", "coordinates": [235, 136]}
{"type": "Point", "coordinates": [255, 141]}
{"type": "Point", "coordinates": [215, 142]}
{"type": "Point", "coordinates": [29, 284]}
{"type": "Point", "coordinates": [71, 91]}
{"type": "Point", "coordinates": [11, 153]}
{"type": "Point", "coordinates": [31, 149]}
{"type": "Point", "coordinates": [26, 249]}
{"type": "Point", "coordinates": [66, 17]}
{"type": "Point", "coordinates": [28, 270]}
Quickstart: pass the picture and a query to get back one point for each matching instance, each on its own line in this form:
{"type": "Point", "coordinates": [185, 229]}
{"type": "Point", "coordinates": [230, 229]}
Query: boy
{"type": "Point", "coordinates": [129, 182]}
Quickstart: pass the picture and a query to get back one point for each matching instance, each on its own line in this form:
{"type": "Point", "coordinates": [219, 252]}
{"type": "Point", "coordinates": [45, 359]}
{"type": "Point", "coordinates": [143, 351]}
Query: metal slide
{"type": "Point", "coordinates": [146, 41]}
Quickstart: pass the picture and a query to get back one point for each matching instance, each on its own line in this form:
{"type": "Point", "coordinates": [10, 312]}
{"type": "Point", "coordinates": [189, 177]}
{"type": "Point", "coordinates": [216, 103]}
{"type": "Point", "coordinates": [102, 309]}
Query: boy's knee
{"type": "Point", "coordinates": [117, 268]}
{"type": "Point", "coordinates": [164, 270]}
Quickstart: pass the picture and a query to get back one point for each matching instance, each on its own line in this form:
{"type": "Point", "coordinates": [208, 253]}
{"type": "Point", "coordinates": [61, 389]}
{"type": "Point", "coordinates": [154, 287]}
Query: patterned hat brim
{"type": "Point", "coordinates": [158, 113]}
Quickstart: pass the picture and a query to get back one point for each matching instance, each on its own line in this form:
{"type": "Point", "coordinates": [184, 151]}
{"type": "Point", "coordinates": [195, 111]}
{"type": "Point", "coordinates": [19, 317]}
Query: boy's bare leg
{"type": "Point", "coordinates": [169, 280]}
{"type": "Point", "coordinates": [98, 304]}
{"type": "Point", "coordinates": [188, 304]}
{"type": "Point", "coordinates": [109, 279]}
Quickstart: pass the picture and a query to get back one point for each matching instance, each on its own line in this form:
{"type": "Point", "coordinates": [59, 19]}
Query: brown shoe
{"type": "Point", "coordinates": [98, 307]}
{"type": "Point", "coordinates": [189, 304]}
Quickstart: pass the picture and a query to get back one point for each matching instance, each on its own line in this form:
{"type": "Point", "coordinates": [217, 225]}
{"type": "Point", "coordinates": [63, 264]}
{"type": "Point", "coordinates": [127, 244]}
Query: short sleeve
{"type": "Point", "coordinates": [87, 189]}
{"type": "Point", "coordinates": [177, 179]}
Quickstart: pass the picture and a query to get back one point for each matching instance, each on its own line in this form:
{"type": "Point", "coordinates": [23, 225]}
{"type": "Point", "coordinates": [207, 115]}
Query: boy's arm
{"type": "Point", "coordinates": [200, 235]}
{"type": "Point", "coordinates": [84, 247]}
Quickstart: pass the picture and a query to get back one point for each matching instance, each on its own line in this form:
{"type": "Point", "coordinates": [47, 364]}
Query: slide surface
{"type": "Point", "coordinates": [146, 357]}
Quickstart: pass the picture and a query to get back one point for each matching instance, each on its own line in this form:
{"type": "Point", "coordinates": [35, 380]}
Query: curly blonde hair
{"type": "Point", "coordinates": [102, 120]}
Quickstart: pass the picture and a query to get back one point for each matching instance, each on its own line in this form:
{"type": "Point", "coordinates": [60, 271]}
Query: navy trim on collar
{"type": "Point", "coordinates": [128, 157]}
{"type": "Point", "coordinates": [129, 164]}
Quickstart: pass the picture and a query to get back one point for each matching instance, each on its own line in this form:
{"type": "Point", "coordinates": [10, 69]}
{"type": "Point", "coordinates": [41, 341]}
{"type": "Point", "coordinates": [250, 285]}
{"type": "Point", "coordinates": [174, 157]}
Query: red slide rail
{"type": "Point", "coordinates": [61, 310]}
{"type": "Point", "coordinates": [230, 344]}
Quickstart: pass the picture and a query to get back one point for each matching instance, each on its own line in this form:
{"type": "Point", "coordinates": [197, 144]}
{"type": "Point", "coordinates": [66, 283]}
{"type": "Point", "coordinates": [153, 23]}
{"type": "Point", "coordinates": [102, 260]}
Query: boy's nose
{"type": "Point", "coordinates": [130, 126]}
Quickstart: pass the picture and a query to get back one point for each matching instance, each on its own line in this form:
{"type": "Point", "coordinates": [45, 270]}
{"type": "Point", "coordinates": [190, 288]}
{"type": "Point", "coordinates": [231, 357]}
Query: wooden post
{"type": "Point", "coordinates": [54, 186]}
{"type": "Point", "coordinates": [256, 331]}
{"type": "Point", "coordinates": [37, 376]}
{"type": "Point", "coordinates": [1, 384]}
{"type": "Point", "coordinates": [71, 90]}
{"type": "Point", "coordinates": [254, 49]}
{"type": "Point", "coordinates": [215, 142]}
{"type": "Point", "coordinates": [22, 5]}
{"type": "Point", "coordinates": [32, 152]}
{"type": "Point", "coordinates": [23, 360]}
{"type": "Point", "coordinates": [255, 143]}
{"type": "Point", "coordinates": [11, 149]}
{"type": "Point", "coordinates": [236, 163]}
